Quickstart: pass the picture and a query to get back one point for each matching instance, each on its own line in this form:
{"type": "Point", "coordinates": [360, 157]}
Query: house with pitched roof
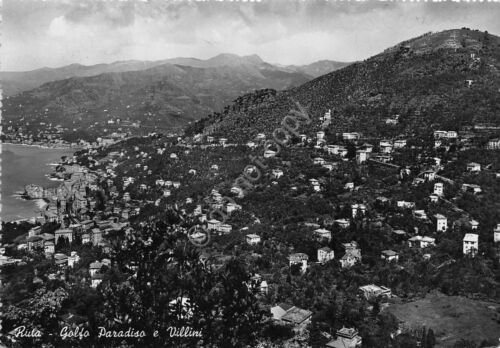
{"type": "Point", "coordinates": [322, 233]}
{"type": "Point", "coordinates": [346, 338]}
{"type": "Point", "coordinates": [421, 242]}
{"type": "Point", "coordinates": [496, 234]}
{"type": "Point", "coordinates": [352, 254]}
{"type": "Point", "coordinates": [371, 291]}
{"type": "Point", "coordinates": [292, 316]}
{"type": "Point", "coordinates": [325, 254]}
{"type": "Point", "coordinates": [470, 244]}
{"type": "Point", "coordinates": [252, 239]}
{"type": "Point", "coordinates": [389, 255]}
{"type": "Point", "coordinates": [299, 259]}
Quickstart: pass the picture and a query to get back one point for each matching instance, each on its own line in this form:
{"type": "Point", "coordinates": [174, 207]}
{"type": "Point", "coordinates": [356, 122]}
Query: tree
{"type": "Point", "coordinates": [39, 312]}
{"type": "Point", "coordinates": [430, 339]}
{"type": "Point", "coordinates": [316, 338]}
{"type": "Point", "coordinates": [351, 150]}
{"type": "Point", "coordinates": [463, 343]}
{"type": "Point", "coordinates": [165, 285]}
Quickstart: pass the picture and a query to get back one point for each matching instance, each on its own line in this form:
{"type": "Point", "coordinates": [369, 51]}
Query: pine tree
{"type": "Point", "coordinates": [431, 340]}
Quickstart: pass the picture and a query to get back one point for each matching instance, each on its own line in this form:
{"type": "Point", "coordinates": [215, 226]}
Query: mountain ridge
{"type": "Point", "coordinates": [424, 80]}
{"type": "Point", "coordinates": [15, 82]}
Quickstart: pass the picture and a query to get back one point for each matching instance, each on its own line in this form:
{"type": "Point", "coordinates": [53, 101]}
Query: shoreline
{"type": "Point", "coordinates": [36, 203]}
{"type": "Point", "coordinates": [43, 146]}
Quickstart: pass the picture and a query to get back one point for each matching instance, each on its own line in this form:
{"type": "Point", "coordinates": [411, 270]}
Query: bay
{"type": "Point", "coordinates": [22, 165]}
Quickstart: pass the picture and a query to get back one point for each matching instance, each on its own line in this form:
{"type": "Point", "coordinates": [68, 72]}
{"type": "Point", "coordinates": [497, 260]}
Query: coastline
{"type": "Point", "coordinates": [68, 147]}
{"type": "Point", "coordinates": [13, 209]}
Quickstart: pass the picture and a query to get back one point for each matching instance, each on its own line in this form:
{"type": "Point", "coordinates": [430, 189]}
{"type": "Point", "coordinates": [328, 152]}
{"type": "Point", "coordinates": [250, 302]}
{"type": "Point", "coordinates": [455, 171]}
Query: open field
{"type": "Point", "coordinates": [452, 318]}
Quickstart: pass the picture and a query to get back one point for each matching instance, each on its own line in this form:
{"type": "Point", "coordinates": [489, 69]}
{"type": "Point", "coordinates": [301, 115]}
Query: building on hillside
{"type": "Point", "coordinates": [96, 236]}
{"type": "Point", "coordinates": [405, 204]}
{"type": "Point", "coordinates": [429, 175]}
{"type": "Point", "coordinates": [473, 167]}
{"type": "Point", "coordinates": [343, 223]}
{"type": "Point", "coordinates": [367, 147]}
{"type": "Point", "coordinates": [66, 232]}
{"type": "Point", "coordinates": [471, 244]}
{"type": "Point", "coordinates": [73, 259]}
{"type": "Point", "coordinates": [299, 259]}
{"type": "Point", "coordinates": [474, 224]}
{"type": "Point", "coordinates": [34, 231]}
{"type": "Point", "coordinates": [94, 268]}
{"type": "Point", "coordinates": [225, 228]}
{"type": "Point", "coordinates": [277, 173]}
{"type": "Point", "coordinates": [400, 143]}
{"type": "Point", "coordinates": [315, 184]}
{"type": "Point", "coordinates": [439, 188]}
{"type": "Point", "coordinates": [230, 207]}
{"type": "Point", "coordinates": [496, 234]}
{"type": "Point", "coordinates": [420, 214]}
{"type": "Point", "coordinates": [252, 239]}
{"type": "Point", "coordinates": [35, 242]}
{"type": "Point", "coordinates": [361, 156]}
{"type": "Point", "coordinates": [213, 224]}
{"type": "Point", "coordinates": [445, 134]}
{"type": "Point", "coordinates": [325, 254]}
{"type": "Point", "coordinates": [346, 338]}
{"type": "Point", "coordinates": [61, 260]}
{"type": "Point", "coordinates": [95, 280]}
{"type": "Point", "coordinates": [389, 255]}
{"type": "Point", "coordinates": [441, 223]}
{"type": "Point", "coordinates": [351, 136]}
{"type": "Point", "coordinates": [328, 115]}
{"type": "Point", "coordinates": [49, 248]}
{"type": "Point", "coordinates": [352, 254]}
{"type": "Point", "coordinates": [493, 144]}
{"type": "Point", "coordinates": [372, 291]}
{"type": "Point", "coordinates": [269, 153]}
{"type": "Point", "coordinates": [385, 146]}
{"type": "Point", "coordinates": [86, 238]}
{"type": "Point", "coordinates": [323, 233]}
{"type": "Point", "coordinates": [358, 210]}
{"type": "Point", "coordinates": [421, 242]}
{"type": "Point", "coordinates": [292, 316]}
{"type": "Point", "coordinates": [262, 285]}
{"type": "Point", "coordinates": [472, 188]}
{"type": "Point", "coordinates": [319, 160]}
{"type": "Point", "coordinates": [349, 186]}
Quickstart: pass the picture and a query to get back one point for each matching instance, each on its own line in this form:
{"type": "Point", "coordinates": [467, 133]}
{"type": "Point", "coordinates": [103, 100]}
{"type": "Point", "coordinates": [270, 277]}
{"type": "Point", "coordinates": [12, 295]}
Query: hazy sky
{"type": "Point", "coordinates": [60, 32]}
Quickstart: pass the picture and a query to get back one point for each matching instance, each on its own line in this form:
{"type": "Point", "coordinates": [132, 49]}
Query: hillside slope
{"type": "Point", "coordinates": [164, 96]}
{"type": "Point", "coordinates": [15, 82]}
{"type": "Point", "coordinates": [423, 80]}
{"type": "Point", "coordinates": [319, 68]}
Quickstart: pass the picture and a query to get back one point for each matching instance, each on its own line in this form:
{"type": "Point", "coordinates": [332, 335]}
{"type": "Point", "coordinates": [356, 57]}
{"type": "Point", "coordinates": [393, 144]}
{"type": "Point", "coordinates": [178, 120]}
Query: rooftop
{"type": "Point", "coordinates": [296, 315]}
{"type": "Point", "coordinates": [471, 237]}
{"type": "Point", "coordinates": [298, 256]}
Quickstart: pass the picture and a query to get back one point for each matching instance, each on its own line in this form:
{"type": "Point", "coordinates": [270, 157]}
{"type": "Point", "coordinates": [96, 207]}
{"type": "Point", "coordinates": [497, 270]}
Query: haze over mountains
{"type": "Point", "coordinates": [164, 94]}
{"type": "Point", "coordinates": [14, 82]}
{"type": "Point", "coordinates": [448, 79]}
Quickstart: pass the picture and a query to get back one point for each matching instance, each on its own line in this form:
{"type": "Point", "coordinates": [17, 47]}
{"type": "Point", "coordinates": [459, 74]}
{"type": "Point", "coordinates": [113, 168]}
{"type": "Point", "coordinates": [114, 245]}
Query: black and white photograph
{"type": "Point", "coordinates": [249, 174]}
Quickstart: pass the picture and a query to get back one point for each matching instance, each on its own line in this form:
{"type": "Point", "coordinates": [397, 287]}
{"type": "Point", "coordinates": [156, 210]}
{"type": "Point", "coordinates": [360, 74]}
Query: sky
{"type": "Point", "coordinates": [55, 33]}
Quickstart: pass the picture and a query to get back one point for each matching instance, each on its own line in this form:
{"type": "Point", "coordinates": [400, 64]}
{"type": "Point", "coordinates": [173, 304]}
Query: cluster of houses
{"type": "Point", "coordinates": [89, 231]}
{"type": "Point", "coordinates": [72, 198]}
